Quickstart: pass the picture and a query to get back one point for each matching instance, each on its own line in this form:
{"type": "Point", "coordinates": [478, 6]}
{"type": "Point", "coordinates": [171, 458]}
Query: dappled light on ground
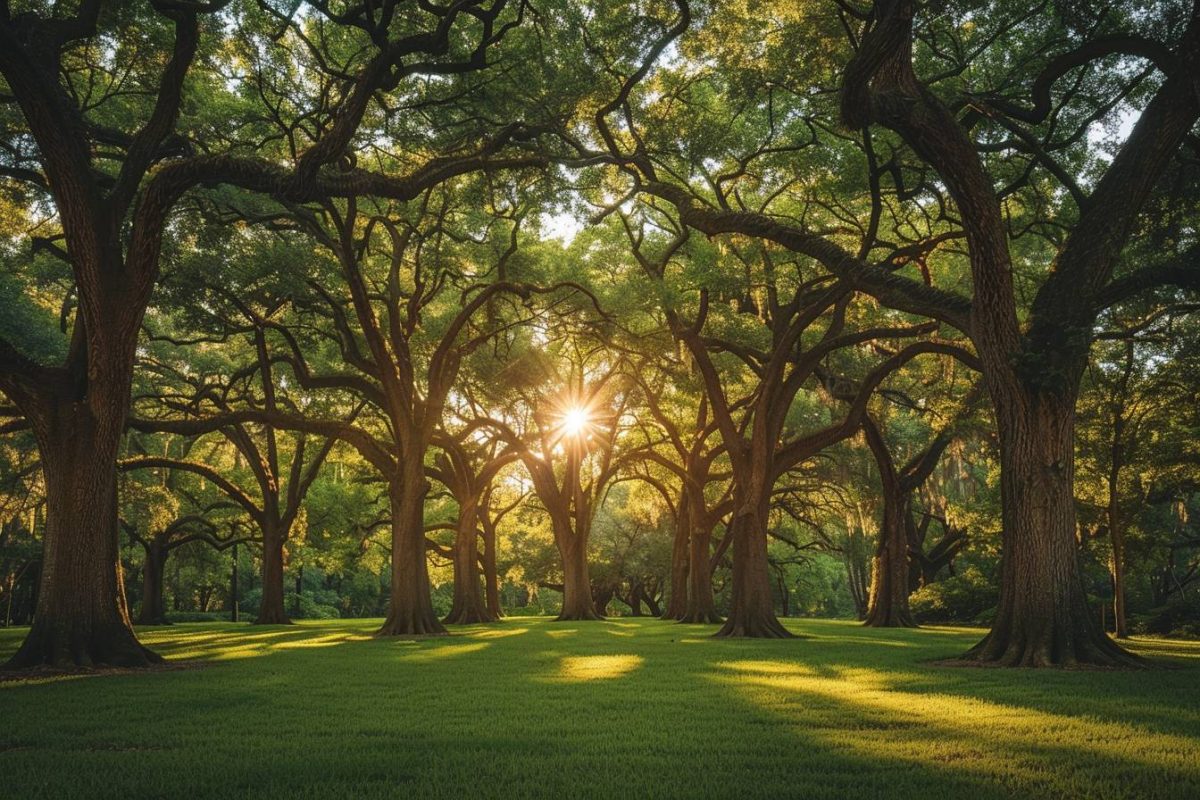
{"type": "Point", "coordinates": [442, 652]}
{"type": "Point", "coordinates": [883, 718]}
{"type": "Point", "coordinates": [592, 668]}
{"type": "Point", "coordinates": [529, 708]}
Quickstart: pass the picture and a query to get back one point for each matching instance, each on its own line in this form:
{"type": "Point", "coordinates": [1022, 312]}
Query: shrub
{"type": "Point", "coordinates": [198, 616]}
{"type": "Point", "coordinates": [1179, 616]}
{"type": "Point", "coordinates": [966, 597]}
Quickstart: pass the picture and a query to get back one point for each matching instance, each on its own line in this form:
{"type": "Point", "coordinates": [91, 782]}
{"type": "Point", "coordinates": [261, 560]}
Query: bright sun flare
{"type": "Point", "coordinates": [575, 421]}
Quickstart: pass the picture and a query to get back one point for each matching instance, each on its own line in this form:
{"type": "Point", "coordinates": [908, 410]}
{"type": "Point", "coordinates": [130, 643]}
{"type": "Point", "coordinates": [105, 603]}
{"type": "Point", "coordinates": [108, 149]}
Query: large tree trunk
{"type": "Point", "coordinates": [1043, 617]}
{"type": "Point", "coordinates": [410, 611]}
{"type": "Point", "coordinates": [677, 599]}
{"type": "Point", "coordinates": [272, 611]}
{"type": "Point", "coordinates": [701, 606]}
{"type": "Point", "coordinates": [752, 608]}
{"type": "Point", "coordinates": [468, 606]}
{"type": "Point", "coordinates": [887, 603]}
{"type": "Point", "coordinates": [154, 610]}
{"type": "Point", "coordinates": [577, 601]}
{"type": "Point", "coordinates": [81, 617]}
{"type": "Point", "coordinates": [491, 580]}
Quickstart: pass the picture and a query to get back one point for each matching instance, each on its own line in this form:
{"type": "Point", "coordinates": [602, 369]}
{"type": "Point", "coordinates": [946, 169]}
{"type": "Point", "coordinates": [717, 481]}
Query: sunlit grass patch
{"type": "Point", "coordinates": [590, 668]}
{"type": "Point", "coordinates": [534, 708]}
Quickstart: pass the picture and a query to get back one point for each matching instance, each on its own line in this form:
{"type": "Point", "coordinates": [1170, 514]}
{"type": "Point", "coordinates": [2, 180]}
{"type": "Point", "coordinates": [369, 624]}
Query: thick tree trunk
{"type": "Point", "coordinates": [887, 602]}
{"type": "Point", "coordinates": [1043, 617]}
{"type": "Point", "coordinates": [468, 606]}
{"type": "Point", "coordinates": [81, 617]}
{"type": "Point", "coordinates": [856, 580]}
{"type": "Point", "coordinates": [410, 611]}
{"type": "Point", "coordinates": [577, 601]}
{"type": "Point", "coordinates": [491, 579]}
{"type": "Point", "coordinates": [887, 605]}
{"type": "Point", "coordinates": [752, 610]}
{"type": "Point", "coordinates": [154, 610]}
{"type": "Point", "coordinates": [701, 606]}
{"type": "Point", "coordinates": [677, 598]}
{"type": "Point", "coordinates": [272, 611]}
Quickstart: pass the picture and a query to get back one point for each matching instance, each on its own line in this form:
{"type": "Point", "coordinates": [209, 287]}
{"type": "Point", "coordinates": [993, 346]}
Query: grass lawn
{"type": "Point", "coordinates": [624, 708]}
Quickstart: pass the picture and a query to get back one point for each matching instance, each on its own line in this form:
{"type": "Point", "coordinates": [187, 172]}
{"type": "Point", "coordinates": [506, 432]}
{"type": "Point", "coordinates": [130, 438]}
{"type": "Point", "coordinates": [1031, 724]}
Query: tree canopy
{"type": "Point", "coordinates": [716, 311]}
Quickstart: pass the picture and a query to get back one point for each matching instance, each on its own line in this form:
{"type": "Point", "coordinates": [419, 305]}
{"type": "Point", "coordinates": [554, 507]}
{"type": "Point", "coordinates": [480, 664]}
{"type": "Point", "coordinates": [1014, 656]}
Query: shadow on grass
{"type": "Point", "coordinates": [539, 710]}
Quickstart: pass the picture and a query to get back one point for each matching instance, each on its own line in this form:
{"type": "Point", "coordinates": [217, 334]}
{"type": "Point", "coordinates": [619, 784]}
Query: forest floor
{"type": "Point", "coordinates": [627, 708]}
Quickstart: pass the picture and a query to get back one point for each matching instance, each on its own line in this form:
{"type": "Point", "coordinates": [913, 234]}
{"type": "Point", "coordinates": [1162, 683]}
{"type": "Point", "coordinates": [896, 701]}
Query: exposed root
{"type": "Point", "coordinates": [469, 616]}
{"type": "Point", "coordinates": [758, 626]}
{"type": "Point", "coordinates": [1076, 652]}
{"type": "Point", "coordinates": [412, 625]}
{"type": "Point", "coordinates": [585, 615]}
{"type": "Point", "coordinates": [59, 648]}
{"type": "Point", "coordinates": [879, 619]}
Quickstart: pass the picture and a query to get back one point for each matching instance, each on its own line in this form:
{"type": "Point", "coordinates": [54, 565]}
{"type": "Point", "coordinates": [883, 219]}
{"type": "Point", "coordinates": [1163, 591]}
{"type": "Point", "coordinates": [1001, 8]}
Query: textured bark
{"type": "Point", "coordinates": [410, 612]}
{"type": "Point", "coordinates": [491, 579]}
{"type": "Point", "coordinates": [1032, 366]}
{"type": "Point", "coordinates": [1043, 618]}
{"type": "Point", "coordinates": [468, 606]}
{"type": "Point", "coordinates": [153, 610]}
{"type": "Point", "coordinates": [752, 612]}
{"type": "Point", "coordinates": [272, 611]}
{"type": "Point", "coordinates": [887, 604]}
{"type": "Point", "coordinates": [577, 600]}
{"type": "Point", "coordinates": [81, 617]}
{"type": "Point", "coordinates": [677, 590]}
{"type": "Point", "coordinates": [701, 606]}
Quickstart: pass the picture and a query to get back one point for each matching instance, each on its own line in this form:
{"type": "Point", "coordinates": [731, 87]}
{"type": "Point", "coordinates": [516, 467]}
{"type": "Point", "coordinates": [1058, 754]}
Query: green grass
{"type": "Point", "coordinates": [624, 709]}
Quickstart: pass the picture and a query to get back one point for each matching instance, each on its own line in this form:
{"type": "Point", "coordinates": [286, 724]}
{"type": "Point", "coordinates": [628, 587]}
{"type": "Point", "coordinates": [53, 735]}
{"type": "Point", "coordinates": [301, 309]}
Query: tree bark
{"type": "Point", "coordinates": [677, 600]}
{"type": "Point", "coordinates": [1117, 534]}
{"type": "Point", "coordinates": [410, 612]}
{"type": "Point", "coordinates": [752, 611]}
{"type": "Point", "coordinates": [491, 580]}
{"type": "Point", "coordinates": [468, 606]}
{"type": "Point", "coordinates": [701, 606]}
{"type": "Point", "coordinates": [635, 600]}
{"type": "Point", "coordinates": [153, 611]}
{"type": "Point", "coordinates": [1116, 522]}
{"type": "Point", "coordinates": [81, 618]}
{"type": "Point", "coordinates": [577, 601]}
{"type": "Point", "coordinates": [652, 604]}
{"type": "Point", "coordinates": [1043, 617]}
{"type": "Point", "coordinates": [272, 611]}
{"type": "Point", "coordinates": [887, 604]}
